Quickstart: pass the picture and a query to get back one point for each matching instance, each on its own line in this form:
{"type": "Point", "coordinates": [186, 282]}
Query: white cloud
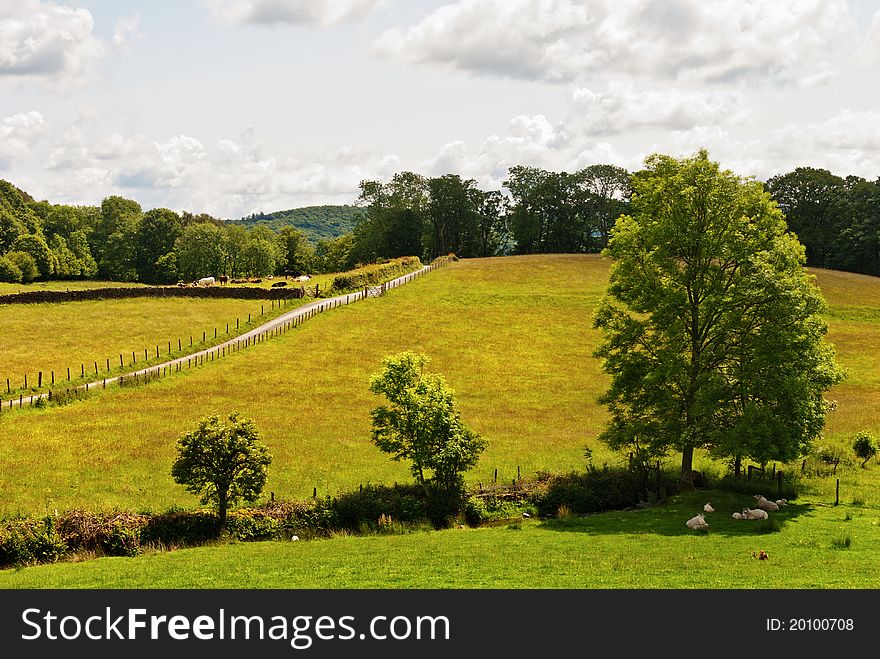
{"type": "Point", "coordinates": [569, 41]}
{"type": "Point", "coordinates": [294, 12]}
{"type": "Point", "coordinates": [869, 52]}
{"type": "Point", "coordinates": [47, 41]}
{"type": "Point", "coordinates": [624, 107]}
{"type": "Point", "coordinates": [127, 30]}
{"type": "Point", "coordinates": [17, 133]}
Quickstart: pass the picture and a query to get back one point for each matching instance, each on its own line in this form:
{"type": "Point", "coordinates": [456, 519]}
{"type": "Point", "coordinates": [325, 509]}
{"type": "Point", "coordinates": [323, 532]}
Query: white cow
{"type": "Point", "coordinates": [206, 281]}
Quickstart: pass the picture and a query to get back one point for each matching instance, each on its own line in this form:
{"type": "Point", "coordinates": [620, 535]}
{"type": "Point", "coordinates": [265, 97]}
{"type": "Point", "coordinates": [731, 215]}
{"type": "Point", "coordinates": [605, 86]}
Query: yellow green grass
{"type": "Point", "coordinates": [648, 548]}
{"type": "Point", "coordinates": [51, 337]}
{"type": "Point", "coordinates": [513, 336]}
{"type": "Point", "coordinates": [65, 285]}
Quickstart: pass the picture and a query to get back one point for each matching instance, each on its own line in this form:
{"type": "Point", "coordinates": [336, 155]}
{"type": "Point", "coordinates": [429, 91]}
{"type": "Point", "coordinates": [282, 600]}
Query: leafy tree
{"type": "Point", "coordinates": [115, 238]}
{"type": "Point", "coordinates": [297, 252]}
{"type": "Point", "coordinates": [422, 424]}
{"type": "Point", "coordinates": [35, 245]}
{"type": "Point", "coordinates": [156, 234]}
{"type": "Point", "coordinates": [865, 447]}
{"type": "Point", "coordinates": [609, 192]}
{"type": "Point", "coordinates": [492, 224]}
{"type": "Point", "coordinates": [224, 461]}
{"type": "Point", "coordinates": [713, 330]}
{"type": "Point", "coordinates": [200, 251]}
{"type": "Point", "coordinates": [236, 237]}
{"type": "Point", "coordinates": [10, 230]}
{"type": "Point", "coordinates": [25, 264]}
{"type": "Point", "coordinates": [166, 268]}
{"type": "Point", "coordinates": [334, 255]}
{"type": "Point", "coordinates": [258, 257]}
{"type": "Point", "coordinates": [814, 203]}
{"type": "Point", "coordinates": [9, 271]}
{"type": "Point", "coordinates": [452, 217]}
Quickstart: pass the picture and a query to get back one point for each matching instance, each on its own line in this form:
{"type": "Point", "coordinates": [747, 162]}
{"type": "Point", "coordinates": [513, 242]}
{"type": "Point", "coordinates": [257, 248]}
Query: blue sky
{"type": "Point", "coordinates": [234, 107]}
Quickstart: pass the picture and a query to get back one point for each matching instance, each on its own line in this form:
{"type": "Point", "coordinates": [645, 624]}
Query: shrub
{"type": "Point", "coordinates": [9, 271]}
{"type": "Point", "coordinates": [596, 490]}
{"type": "Point", "coordinates": [864, 446]}
{"type": "Point", "coordinates": [374, 274]}
{"type": "Point", "coordinates": [475, 511]}
{"type": "Point", "coordinates": [26, 264]}
{"type": "Point", "coordinates": [404, 503]}
{"type": "Point", "coordinates": [253, 524]}
{"type": "Point", "coordinates": [30, 541]}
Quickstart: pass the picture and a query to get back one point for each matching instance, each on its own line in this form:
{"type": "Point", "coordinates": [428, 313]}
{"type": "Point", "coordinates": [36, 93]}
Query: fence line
{"type": "Point", "coordinates": [272, 328]}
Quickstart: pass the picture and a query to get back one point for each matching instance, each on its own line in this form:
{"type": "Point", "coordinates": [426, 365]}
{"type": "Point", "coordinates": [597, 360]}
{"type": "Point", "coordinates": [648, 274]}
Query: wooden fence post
{"type": "Point", "coordinates": [837, 493]}
{"type": "Point", "coordinates": [40, 379]}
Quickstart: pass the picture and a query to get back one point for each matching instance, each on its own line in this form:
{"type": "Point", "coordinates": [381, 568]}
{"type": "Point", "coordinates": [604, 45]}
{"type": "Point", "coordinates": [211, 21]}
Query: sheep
{"type": "Point", "coordinates": [765, 504]}
{"type": "Point", "coordinates": [294, 538]}
{"type": "Point", "coordinates": [737, 516]}
{"type": "Point", "coordinates": [781, 502]}
{"type": "Point", "coordinates": [755, 513]}
{"type": "Point", "coordinates": [697, 523]}
{"type": "Point", "coordinates": [708, 508]}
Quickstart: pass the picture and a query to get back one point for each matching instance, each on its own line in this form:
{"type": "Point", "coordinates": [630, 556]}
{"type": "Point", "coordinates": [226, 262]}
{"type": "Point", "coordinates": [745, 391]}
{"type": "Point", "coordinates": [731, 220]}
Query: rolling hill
{"type": "Point", "coordinates": [317, 222]}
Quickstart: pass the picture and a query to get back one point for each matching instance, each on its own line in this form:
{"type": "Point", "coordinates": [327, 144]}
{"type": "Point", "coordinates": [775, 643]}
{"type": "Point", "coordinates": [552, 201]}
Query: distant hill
{"type": "Point", "coordinates": [317, 222]}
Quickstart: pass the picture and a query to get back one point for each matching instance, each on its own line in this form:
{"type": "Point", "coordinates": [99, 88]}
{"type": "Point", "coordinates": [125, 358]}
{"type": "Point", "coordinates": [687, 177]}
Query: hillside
{"type": "Point", "coordinates": [317, 222]}
{"type": "Point", "coordinates": [512, 335]}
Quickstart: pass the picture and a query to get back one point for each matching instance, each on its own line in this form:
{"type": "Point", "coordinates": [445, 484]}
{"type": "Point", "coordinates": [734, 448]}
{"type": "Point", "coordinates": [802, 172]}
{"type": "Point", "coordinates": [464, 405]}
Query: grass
{"type": "Point", "coordinates": [65, 285]}
{"type": "Point", "coordinates": [513, 336]}
{"type": "Point", "coordinates": [51, 337]}
{"type": "Point", "coordinates": [648, 548]}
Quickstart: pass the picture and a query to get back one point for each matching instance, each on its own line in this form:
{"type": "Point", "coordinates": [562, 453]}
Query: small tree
{"type": "Point", "coordinates": [422, 424]}
{"type": "Point", "coordinates": [865, 447]}
{"type": "Point", "coordinates": [223, 461]}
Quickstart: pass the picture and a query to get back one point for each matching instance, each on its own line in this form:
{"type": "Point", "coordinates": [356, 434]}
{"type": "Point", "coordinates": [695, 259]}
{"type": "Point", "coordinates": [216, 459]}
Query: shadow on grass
{"type": "Point", "coordinates": [669, 518]}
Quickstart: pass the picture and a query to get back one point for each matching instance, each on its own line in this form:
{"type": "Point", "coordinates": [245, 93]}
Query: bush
{"type": "Point", "coordinates": [30, 541]}
{"type": "Point", "coordinates": [253, 524]}
{"type": "Point", "coordinates": [9, 271]}
{"type": "Point", "coordinates": [25, 264]}
{"type": "Point", "coordinates": [597, 490]}
{"type": "Point", "coordinates": [181, 528]}
{"type": "Point", "coordinates": [864, 446]}
{"type": "Point", "coordinates": [403, 503]}
{"type": "Point", "coordinates": [372, 275]}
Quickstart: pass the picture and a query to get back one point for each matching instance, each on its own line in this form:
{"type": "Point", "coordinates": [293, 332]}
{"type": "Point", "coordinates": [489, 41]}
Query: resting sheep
{"type": "Point", "coordinates": [765, 504]}
{"type": "Point", "coordinates": [708, 508]}
{"type": "Point", "coordinates": [697, 523]}
{"type": "Point", "coordinates": [755, 513]}
{"type": "Point", "coordinates": [737, 516]}
{"type": "Point", "coordinates": [781, 502]}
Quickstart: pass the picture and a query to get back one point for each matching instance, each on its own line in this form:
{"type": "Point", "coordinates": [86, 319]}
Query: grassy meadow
{"type": "Point", "coordinates": [814, 546]}
{"type": "Point", "coordinates": [65, 285]}
{"type": "Point", "coordinates": [56, 336]}
{"type": "Point", "coordinates": [513, 336]}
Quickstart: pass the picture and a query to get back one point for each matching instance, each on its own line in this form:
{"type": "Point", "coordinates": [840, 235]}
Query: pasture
{"type": "Point", "coordinates": [56, 336]}
{"type": "Point", "coordinates": [648, 548]}
{"type": "Point", "coordinates": [65, 285]}
{"type": "Point", "coordinates": [512, 335]}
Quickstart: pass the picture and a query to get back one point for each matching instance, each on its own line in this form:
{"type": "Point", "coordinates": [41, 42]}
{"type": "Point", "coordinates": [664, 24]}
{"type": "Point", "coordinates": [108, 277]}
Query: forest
{"type": "Point", "coordinates": [537, 211]}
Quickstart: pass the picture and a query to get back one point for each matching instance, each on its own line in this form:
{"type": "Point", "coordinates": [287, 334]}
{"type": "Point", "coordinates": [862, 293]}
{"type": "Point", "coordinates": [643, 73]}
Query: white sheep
{"type": "Point", "coordinates": [737, 516]}
{"type": "Point", "coordinates": [294, 538]}
{"type": "Point", "coordinates": [697, 523]}
{"type": "Point", "coordinates": [765, 504]}
{"type": "Point", "coordinates": [781, 502]}
{"type": "Point", "coordinates": [755, 513]}
{"type": "Point", "coordinates": [708, 508]}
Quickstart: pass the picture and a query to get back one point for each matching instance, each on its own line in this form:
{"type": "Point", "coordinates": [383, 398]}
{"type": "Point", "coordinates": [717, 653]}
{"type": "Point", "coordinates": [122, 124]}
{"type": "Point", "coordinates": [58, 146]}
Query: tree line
{"type": "Point", "coordinates": [537, 211]}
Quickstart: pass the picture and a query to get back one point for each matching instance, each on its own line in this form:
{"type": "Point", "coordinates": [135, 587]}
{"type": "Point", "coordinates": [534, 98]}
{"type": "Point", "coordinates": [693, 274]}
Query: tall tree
{"type": "Point", "coordinates": [200, 251]}
{"type": "Point", "coordinates": [115, 238]}
{"type": "Point", "coordinates": [156, 234]}
{"type": "Point", "coordinates": [713, 330]}
{"type": "Point", "coordinates": [609, 190]}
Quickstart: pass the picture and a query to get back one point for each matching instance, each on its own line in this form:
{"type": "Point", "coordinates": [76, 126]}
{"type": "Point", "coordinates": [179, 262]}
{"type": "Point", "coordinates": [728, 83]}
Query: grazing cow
{"type": "Point", "coordinates": [223, 279]}
{"type": "Point", "coordinates": [206, 281]}
{"type": "Point", "coordinates": [279, 284]}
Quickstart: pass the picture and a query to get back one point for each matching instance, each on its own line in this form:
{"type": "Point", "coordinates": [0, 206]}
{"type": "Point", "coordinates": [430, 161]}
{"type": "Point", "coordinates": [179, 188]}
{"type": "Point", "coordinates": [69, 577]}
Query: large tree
{"type": "Point", "coordinates": [713, 329]}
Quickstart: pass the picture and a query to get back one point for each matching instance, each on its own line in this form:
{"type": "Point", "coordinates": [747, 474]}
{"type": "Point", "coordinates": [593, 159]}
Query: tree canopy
{"type": "Point", "coordinates": [223, 461]}
{"type": "Point", "coordinates": [713, 329]}
{"type": "Point", "coordinates": [422, 424]}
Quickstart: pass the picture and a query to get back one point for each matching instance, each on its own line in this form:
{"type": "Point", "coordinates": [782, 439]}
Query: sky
{"type": "Point", "coordinates": [239, 106]}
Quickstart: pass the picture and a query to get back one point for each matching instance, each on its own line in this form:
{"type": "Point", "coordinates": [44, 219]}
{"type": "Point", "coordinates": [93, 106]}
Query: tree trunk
{"type": "Point", "coordinates": [737, 468]}
{"type": "Point", "coordinates": [687, 468]}
{"type": "Point", "coordinates": [222, 506]}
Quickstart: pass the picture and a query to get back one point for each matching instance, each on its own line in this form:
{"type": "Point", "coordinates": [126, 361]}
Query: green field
{"type": "Point", "coordinates": [56, 336]}
{"type": "Point", "coordinates": [66, 285]}
{"type": "Point", "coordinates": [513, 336]}
{"type": "Point", "coordinates": [640, 549]}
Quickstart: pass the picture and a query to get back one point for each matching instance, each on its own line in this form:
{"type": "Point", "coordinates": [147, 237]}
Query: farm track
{"type": "Point", "coordinates": [269, 329]}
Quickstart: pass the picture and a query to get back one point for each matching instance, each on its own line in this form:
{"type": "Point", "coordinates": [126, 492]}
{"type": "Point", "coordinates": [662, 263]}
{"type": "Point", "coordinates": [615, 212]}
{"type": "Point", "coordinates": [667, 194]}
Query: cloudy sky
{"type": "Point", "coordinates": [235, 106]}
